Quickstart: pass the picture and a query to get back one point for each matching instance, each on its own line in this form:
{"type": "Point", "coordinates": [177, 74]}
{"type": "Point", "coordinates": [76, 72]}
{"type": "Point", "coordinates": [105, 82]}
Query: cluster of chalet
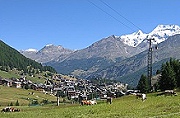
{"type": "Point", "coordinates": [71, 88]}
{"type": "Point", "coordinates": [24, 83]}
{"type": "Point", "coordinates": [17, 83]}
{"type": "Point", "coordinates": [85, 89]}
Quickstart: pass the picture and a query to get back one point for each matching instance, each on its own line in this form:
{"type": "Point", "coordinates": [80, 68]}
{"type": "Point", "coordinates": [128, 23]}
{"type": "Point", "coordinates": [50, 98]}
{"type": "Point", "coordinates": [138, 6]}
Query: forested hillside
{"type": "Point", "coordinates": [11, 58]}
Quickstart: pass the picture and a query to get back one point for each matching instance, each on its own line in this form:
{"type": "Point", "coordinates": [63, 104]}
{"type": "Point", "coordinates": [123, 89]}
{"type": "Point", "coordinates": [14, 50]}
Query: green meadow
{"type": "Point", "coordinates": [25, 97]}
{"type": "Point", "coordinates": [125, 107]}
{"type": "Point", "coordinates": [15, 74]}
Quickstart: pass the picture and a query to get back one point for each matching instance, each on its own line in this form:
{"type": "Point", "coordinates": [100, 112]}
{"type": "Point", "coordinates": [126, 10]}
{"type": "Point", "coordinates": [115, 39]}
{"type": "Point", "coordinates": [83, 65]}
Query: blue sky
{"type": "Point", "coordinates": [76, 24]}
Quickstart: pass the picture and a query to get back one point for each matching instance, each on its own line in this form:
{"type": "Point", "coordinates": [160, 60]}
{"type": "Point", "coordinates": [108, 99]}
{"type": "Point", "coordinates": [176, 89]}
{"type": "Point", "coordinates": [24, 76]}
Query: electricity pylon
{"type": "Point", "coordinates": [149, 72]}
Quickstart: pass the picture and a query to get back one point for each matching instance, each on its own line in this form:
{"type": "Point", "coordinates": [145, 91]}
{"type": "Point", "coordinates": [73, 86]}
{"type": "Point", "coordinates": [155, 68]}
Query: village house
{"type": "Point", "coordinates": [7, 82]}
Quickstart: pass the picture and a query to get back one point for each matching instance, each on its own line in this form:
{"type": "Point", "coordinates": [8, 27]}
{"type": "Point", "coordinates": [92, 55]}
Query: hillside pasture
{"type": "Point", "coordinates": [125, 107]}
{"type": "Point", "coordinates": [11, 74]}
{"type": "Point", "coordinates": [25, 97]}
{"type": "Point", "coordinates": [16, 74]}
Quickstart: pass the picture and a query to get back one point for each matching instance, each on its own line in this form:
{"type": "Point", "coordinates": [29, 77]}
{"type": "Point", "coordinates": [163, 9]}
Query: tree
{"type": "Point", "coordinates": [158, 72]}
{"type": "Point", "coordinates": [167, 80]}
{"type": "Point", "coordinates": [11, 58]}
{"type": "Point", "coordinates": [17, 103]}
{"type": "Point", "coordinates": [143, 85]}
{"type": "Point", "coordinates": [61, 93]}
{"type": "Point", "coordinates": [11, 104]}
{"type": "Point", "coordinates": [175, 64]}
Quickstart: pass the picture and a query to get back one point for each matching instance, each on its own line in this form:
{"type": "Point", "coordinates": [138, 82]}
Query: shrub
{"type": "Point", "coordinates": [17, 103]}
{"type": "Point", "coordinates": [11, 104]}
{"type": "Point", "coordinates": [45, 101]}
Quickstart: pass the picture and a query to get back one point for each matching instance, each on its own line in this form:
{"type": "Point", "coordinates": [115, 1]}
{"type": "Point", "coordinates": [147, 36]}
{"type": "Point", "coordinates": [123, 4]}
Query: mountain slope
{"type": "Point", "coordinates": [47, 53]}
{"type": "Point", "coordinates": [97, 56]}
{"type": "Point", "coordinates": [110, 47]}
{"type": "Point", "coordinates": [11, 58]}
{"type": "Point", "coordinates": [102, 54]}
{"type": "Point", "coordinates": [166, 49]}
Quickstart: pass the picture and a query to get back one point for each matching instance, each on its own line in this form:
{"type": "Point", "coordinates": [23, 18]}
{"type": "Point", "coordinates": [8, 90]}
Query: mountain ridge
{"type": "Point", "coordinates": [109, 51]}
{"type": "Point", "coordinates": [47, 53]}
{"type": "Point", "coordinates": [163, 30]}
{"type": "Point", "coordinates": [13, 59]}
{"type": "Point", "coordinates": [160, 33]}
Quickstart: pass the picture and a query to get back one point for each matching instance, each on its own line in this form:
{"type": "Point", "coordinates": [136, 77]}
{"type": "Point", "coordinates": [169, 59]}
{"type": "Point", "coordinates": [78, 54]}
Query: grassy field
{"type": "Point", "coordinates": [4, 74]}
{"type": "Point", "coordinates": [124, 107]}
{"type": "Point", "coordinates": [14, 74]}
{"type": "Point", "coordinates": [35, 79]}
{"type": "Point", "coordinates": [24, 97]}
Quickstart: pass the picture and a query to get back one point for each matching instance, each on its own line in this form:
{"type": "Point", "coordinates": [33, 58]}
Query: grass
{"type": "Point", "coordinates": [9, 94]}
{"type": "Point", "coordinates": [124, 107]}
{"type": "Point", "coordinates": [4, 74]}
{"type": "Point", "coordinates": [38, 78]}
{"type": "Point", "coordinates": [15, 74]}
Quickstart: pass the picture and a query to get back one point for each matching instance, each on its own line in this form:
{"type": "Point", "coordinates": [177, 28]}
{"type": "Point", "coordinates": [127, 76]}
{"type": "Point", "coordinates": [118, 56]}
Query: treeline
{"type": "Point", "coordinates": [11, 58]}
{"type": "Point", "coordinates": [169, 79]}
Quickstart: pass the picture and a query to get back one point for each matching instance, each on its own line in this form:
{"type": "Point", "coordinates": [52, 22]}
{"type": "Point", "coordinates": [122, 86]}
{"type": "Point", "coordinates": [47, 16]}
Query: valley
{"type": "Point", "coordinates": [89, 59]}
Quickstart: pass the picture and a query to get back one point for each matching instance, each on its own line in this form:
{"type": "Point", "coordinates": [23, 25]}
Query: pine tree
{"type": "Point", "coordinates": [143, 84]}
{"type": "Point", "coordinates": [167, 80]}
{"type": "Point", "coordinates": [11, 58]}
{"type": "Point", "coordinates": [175, 64]}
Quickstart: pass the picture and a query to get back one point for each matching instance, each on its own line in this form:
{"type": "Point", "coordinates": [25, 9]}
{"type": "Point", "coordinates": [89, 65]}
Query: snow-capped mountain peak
{"type": "Point", "coordinates": [139, 32]}
{"type": "Point", "coordinates": [160, 34]}
{"type": "Point", "coordinates": [133, 39]}
{"type": "Point", "coordinates": [166, 27]}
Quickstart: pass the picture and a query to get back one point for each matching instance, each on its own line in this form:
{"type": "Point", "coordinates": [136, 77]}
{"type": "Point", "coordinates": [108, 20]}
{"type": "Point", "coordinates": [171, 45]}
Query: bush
{"type": "Point", "coordinates": [35, 102]}
{"type": "Point", "coordinates": [17, 103]}
{"type": "Point", "coordinates": [45, 101]}
{"type": "Point", "coordinates": [11, 104]}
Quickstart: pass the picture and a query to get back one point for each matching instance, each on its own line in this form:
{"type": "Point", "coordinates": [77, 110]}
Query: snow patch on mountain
{"type": "Point", "coordinates": [31, 50]}
{"type": "Point", "coordinates": [49, 45]}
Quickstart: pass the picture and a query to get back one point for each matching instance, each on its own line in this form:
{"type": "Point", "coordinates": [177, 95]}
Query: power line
{"type": "Point", "coordinates": [111, 15]}
{"type": "Point", "coordinates": [120, 14]}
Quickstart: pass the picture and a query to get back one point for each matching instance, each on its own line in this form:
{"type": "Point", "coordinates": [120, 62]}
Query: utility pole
{"type": "Point", "coordinates": [57, 100]}
{"type": "Point", "coordinates": [150, 62]}
{"type": "Point", "coordinates": [58, 94]}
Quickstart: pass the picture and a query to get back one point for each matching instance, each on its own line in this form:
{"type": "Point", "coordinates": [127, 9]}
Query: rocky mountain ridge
{"type": "Point", "coordinates": [47, 53]}
{"type": "Point", "coordinates": [111, 47]}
